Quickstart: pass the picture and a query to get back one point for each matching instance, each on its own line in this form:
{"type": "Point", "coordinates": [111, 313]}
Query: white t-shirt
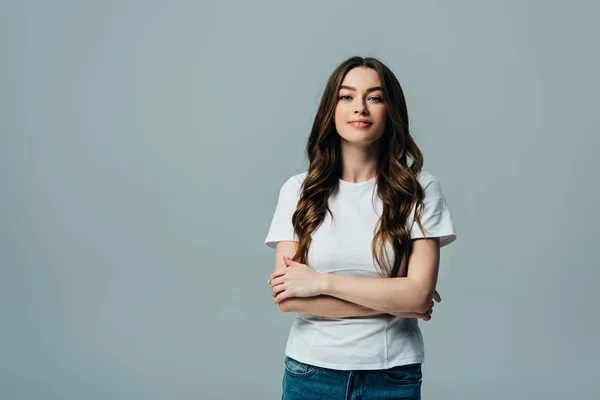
{"type": "Point", "coordinates": [343, 246]}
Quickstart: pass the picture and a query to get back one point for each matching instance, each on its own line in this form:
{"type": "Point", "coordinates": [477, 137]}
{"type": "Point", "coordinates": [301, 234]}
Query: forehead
{"type": "Point", "coordinates": [361, 78]}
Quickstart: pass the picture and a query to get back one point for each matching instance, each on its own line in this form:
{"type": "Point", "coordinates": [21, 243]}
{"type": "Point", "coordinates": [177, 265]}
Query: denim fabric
{"type": "Point", "coordinates": [303, 381]}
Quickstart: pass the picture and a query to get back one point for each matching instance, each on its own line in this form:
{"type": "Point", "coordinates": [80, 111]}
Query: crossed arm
{"type": "Point", "coordinates": [328, 306]}
{"type": "Point", "coordinates": [346, 296]}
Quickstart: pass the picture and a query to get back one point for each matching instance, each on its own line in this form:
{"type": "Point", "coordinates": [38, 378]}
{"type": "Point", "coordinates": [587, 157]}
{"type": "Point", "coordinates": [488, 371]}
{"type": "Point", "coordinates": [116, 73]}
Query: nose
{"type": "Point", "coordinates": [360, 108]}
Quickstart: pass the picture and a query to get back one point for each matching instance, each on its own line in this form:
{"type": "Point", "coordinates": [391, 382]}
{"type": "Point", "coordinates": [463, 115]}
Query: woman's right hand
{"type": "Point", "coordinates": [425, 316]}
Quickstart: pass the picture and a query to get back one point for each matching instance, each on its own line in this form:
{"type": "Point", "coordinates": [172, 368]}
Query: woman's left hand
{"type": "Point", "coordinates": [295, 279]}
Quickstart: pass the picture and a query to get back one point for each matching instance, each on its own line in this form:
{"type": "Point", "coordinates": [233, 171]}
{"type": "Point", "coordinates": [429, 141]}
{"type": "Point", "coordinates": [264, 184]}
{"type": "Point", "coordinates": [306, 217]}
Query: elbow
{"type": "Point", "coordinates": [416, 299]}
{"type": "Point", "coordinates": [423, 302]}
{"type": "Point", "coordinates": [283, 308]}
{"type": "Point", "coordinates": [422, 308]}
{"type": "Point", "coordinates": [285, 305]}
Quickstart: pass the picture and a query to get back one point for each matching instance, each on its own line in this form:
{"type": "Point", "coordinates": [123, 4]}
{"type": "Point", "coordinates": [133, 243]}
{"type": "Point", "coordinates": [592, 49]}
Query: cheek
{"type": "Point", "coordinates": [381, 112]}
{"type": "Point", "coordinates": [339, 111]}
{"type": "Point", "coordinates": [382, 116]}
{"type": "Point", "coordinates": [339, 118]}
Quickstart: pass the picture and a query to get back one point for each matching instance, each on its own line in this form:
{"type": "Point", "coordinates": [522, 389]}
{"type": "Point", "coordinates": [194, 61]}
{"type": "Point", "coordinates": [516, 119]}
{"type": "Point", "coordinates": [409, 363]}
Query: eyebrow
{"type": "Point", "coordinates": [368, 90]}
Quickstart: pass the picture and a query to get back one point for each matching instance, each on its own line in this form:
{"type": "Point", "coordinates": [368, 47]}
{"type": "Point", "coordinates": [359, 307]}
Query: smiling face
{"type": "Point", "coordinates": [360, 98]}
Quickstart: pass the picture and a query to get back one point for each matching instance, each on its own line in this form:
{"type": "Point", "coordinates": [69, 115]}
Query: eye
{"type": "Point", "coordinates": [376, 98]}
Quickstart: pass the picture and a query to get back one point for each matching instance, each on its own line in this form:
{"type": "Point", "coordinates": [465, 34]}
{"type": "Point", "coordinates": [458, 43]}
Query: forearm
{"type": "Point", "coordinates": [388, 295]}
{"type": "Point", "coordinates": [326, 306]}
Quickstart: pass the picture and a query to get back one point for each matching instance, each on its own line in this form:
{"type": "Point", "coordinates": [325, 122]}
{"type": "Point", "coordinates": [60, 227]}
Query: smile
{"type": "Point", "coordinates": [359, 124]}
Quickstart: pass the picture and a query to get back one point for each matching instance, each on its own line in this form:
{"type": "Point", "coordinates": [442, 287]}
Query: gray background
{"type": "Point", "coordinates": [143, 145]}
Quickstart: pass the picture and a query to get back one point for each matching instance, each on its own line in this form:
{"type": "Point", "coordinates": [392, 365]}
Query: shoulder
{"type": "Point", "coordinates": [430, 183]}
{"type": "Point", "coordinates": [299, 178]}
{"type": "Point", "coordinates": [293, 184]}
{"type": "Point", "coordinates": [425, 177]}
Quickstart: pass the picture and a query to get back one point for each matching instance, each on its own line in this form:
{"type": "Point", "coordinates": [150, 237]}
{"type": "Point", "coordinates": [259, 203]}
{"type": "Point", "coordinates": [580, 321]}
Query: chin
{"type": "Point", "coordinates": [359, 140]}
{"type": "Point", "coordinates": [356, 136]}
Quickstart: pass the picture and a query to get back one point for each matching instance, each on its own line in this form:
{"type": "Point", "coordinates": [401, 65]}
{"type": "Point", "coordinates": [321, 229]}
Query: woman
{"type": "Point", "coordinates": [364, 228]}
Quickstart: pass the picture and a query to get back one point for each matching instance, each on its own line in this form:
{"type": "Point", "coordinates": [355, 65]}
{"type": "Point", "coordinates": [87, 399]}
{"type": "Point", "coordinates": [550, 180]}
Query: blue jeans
{"type": "Point", "coordinates": [308, 382]}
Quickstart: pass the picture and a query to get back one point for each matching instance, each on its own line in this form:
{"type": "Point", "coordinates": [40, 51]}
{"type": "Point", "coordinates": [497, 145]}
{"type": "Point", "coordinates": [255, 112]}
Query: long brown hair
{"type": "Point", "coordinates": [397, 183]}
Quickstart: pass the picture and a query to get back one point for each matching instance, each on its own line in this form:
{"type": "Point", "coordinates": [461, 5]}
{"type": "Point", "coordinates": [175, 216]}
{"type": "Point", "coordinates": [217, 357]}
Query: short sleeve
{"type": "Point", "coordinates": [435, 217]}
{"type": "Point", "coordinates": [281, 227]}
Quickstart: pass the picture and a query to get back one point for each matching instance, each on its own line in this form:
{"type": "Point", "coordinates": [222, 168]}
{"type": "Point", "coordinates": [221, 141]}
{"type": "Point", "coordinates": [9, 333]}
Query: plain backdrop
{"type": "Point", "coordinates": [143, 145]}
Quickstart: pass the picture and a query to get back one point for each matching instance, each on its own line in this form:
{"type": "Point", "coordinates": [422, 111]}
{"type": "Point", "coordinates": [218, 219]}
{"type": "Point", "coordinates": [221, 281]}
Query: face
{"type": "Point", "coordinates": [360, 98]}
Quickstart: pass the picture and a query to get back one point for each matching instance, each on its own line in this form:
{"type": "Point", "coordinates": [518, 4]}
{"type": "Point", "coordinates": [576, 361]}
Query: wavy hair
{"type": "Point", "coordinates": [397, 183]}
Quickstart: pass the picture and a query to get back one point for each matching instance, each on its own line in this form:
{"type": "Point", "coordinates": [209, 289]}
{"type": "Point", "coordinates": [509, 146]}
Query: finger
{"type": "Point", "coordinates": [277, 281]}
{"type": "Point", "coordinates": [436, 296]}
{"type": "Point", "coordinates": [275, 290]}
{"type": "Point", "coordinates": [281, 296]}
{"type": "Point", "coordinates": [278, 272]}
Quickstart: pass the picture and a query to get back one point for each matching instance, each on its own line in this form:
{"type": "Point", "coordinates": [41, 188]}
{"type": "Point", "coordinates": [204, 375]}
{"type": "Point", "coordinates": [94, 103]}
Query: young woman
{"type": "Point", "coordinates": [363, 228]}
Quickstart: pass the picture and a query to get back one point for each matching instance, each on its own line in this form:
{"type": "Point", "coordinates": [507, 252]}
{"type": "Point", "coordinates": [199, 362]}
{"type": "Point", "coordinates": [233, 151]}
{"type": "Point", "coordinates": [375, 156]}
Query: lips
{"type": "Point", "coordinates": [359, 124]}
